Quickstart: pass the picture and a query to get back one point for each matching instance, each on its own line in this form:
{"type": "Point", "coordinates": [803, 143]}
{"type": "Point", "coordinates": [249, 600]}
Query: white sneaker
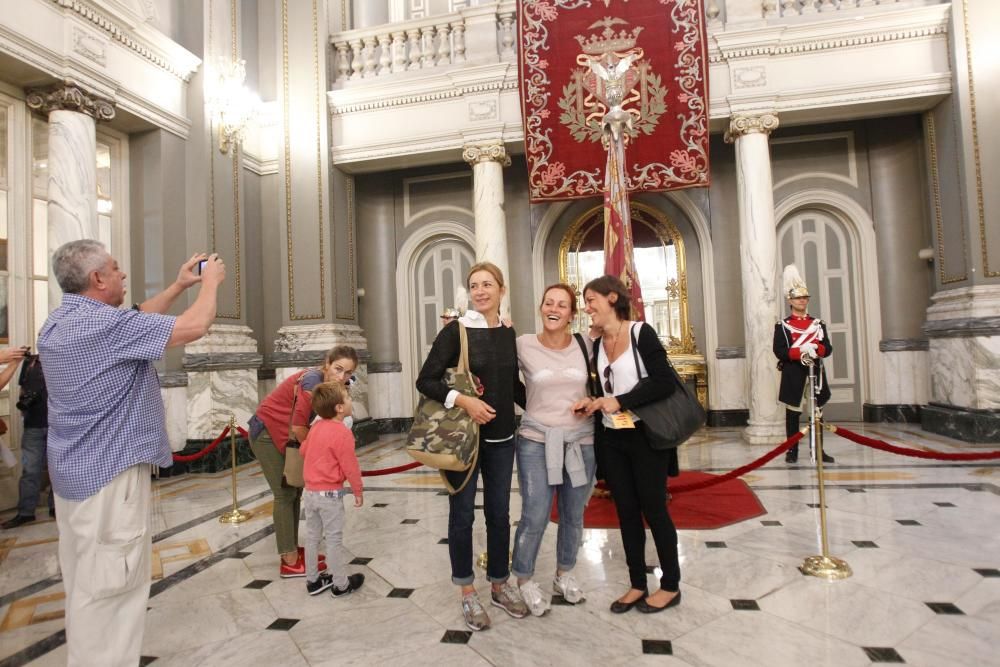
{"type": "Point", "coordinates": [566, 586]}
{"type": "Point", "coordinates": [537, 603]}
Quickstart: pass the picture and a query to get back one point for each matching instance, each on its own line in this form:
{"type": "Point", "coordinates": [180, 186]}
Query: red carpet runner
{"type": "Point", "coordinates": [703, 509]}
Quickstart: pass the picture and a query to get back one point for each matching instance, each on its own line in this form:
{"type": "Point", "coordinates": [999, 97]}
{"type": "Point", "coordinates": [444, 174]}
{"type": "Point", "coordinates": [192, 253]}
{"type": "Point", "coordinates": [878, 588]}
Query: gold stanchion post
{"type": "Point", "coordinates": [823, 566]}
{"type": "Point", "coordinates": [235, 515]}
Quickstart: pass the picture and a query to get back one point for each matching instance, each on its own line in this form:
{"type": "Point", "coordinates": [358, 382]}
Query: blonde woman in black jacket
{"type": "Point", "coordinates": [635, 472]}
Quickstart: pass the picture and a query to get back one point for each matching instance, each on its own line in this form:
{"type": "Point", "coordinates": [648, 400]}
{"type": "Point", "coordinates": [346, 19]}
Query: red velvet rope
{"type": "Point", "coordinates": [209, 448]}
{"type": "Point", "coordinates": [906, 451]}
{"type": "Point", "coordinates": [391, 471]}
{"type": "Point", "coordinates": [739, 472]}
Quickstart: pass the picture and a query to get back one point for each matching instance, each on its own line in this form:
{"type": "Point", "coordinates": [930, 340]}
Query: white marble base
{"type": "Point", "coordinates": [907, 377]}
{"type": "Point", "coordinates": [224, 339]}
{"type": "Point", "coordinates": [729, 391]}
{"type": "Point", "coordinates": [311, 337]}
{"type": "Point", "coordinates": [385, 392]}
{"type": "Point", "coordinates": [965, 370]}
{"type": "Point", "coordinates": [212, 396]}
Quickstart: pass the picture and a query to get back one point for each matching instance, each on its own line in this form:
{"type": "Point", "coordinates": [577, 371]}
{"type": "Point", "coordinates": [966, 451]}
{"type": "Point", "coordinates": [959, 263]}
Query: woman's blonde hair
{"type": "Point", "coordinates": [489, 267]}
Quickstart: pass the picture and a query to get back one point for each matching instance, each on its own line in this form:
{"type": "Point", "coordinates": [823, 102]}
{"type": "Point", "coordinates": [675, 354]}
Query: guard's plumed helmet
{"type": "Point", "coordinates": [793, 283]}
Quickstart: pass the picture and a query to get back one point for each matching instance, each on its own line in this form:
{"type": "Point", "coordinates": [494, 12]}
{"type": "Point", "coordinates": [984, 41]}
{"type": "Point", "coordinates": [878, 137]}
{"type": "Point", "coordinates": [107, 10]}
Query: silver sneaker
{"type": "Point", "coordinates": [509, 599]}
{"type": "Point", "coordinates": [533, 597]}
{"type": "Point", "coordinates": [476, 617]}
{"type": "Point", "coordinates": [565, 585]}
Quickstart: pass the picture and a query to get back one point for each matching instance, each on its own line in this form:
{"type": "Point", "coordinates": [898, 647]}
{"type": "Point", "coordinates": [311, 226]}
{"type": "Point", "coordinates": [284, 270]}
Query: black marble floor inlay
{"type": "Point", "coordinates": [410, 522]}
{"type": "Point", "coordinates": [361, 561]}
{"type": "Point", "coordinates": [651, 569]}
{"type": "Point", "coordinates": [560, 601]}
{"type": "Point", "coordinates": [380, 505]}
{"type": "Point", "coordinates": [987, 571]}
{"type": "Point", "coordinates": [443, 540]}
{"type": "Point", "coordinates": [456, 636]}
{"type": "Point", "coordinates": [283, 624]}
{"type": "Point", "coordinates": [400, 593]}
{"type": "Point", "coordinates": [445, 493]}
{"type": "Point", "coordinates": [240, 554]}
{"type": "Point", "coordinates": [946, 504]}
{"type": "Point", "coordinates": [147, 659]}
{"type": "Point", "coordinates": [908, 522]}
{"type": "Point", "coordinates": [478, 507]}
{"type": "Point", "coordinates": [258, 584]}
{"type": "Point", "coordinates": [815, 506]}
{"type": "Point", "coordinates": [882, 654]}
{"type": "Point", "coordinates": [945, 608]}
{"type": "Point", "coordinates": [745, 605]}
{"type": "Point", "coordinates": [770, 523]}
{"type": "Point", "coordinates": [657, 647]}
{"type": "Point", "coordinates": [864, 544]}
{"type": "Point", "coordinates": [715, 545]}
{"type": "Point", "coordinates": [854, 490]}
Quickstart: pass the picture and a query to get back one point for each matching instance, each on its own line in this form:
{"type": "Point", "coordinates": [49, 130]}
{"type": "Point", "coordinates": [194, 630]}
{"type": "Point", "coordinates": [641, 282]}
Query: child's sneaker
{"type": "Point", "coordinates": [476, 617]}
{"type": "Point", "coordinates": [532, 594]}
{"type": "Point", "coordinates": [509, 599]}
{"type": "Point", "coordinates": [566, 586]}
{"type": "Point", "coordinates": [323, 582]}
{"type": "Point", "coordinates": [298, 570]}
{"type": "Point", "coordinates": [354, 582]}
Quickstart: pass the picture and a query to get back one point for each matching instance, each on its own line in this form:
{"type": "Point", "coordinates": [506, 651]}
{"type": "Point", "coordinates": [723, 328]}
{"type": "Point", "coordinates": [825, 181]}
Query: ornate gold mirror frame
{"type": "Point", "coordinates": [681, 346]}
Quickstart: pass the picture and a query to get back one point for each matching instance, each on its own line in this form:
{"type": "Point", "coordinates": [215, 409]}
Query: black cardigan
{"type": "Point", "coordinates": [654, 358]}
{"type": "Point", "coordinates": [492, 358]}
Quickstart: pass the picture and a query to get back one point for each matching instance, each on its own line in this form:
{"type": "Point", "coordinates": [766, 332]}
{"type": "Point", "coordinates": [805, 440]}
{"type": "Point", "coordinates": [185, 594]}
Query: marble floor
{"type": "Point", "coordinates": [922, 538]}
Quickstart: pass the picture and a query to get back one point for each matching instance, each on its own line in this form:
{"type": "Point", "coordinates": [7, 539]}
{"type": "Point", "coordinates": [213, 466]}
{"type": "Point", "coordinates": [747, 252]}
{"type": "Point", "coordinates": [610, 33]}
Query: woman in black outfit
{"type": "Point", "coordinates": [635, 472]}
{"type": "Point", "coordinates": [493, 359]}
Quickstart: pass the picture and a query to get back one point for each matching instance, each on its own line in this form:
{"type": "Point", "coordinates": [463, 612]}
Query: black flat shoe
{"type": "Point", "coordinates": [647, 608]}
{"type": "Point", "coordinates": [18, 520]}
{"type": "Point", "coordinates": [792, 455]}
{"type": "Point", "coordinates": [619, 607]}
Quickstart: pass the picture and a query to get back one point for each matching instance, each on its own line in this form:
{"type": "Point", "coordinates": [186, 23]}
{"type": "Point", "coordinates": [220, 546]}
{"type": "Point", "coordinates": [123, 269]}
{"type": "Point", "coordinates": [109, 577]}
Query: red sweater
{"type": "Point", "coordinates": [329, 459]}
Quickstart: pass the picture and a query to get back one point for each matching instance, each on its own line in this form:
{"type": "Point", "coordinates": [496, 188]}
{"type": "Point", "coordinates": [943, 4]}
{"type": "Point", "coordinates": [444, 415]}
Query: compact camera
{"type": "Point", "coordinates": [201, 266]}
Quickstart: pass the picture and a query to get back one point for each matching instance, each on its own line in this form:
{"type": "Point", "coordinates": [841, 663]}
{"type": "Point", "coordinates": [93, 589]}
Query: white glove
{"type": "Point", "coordinates": [808, 350]}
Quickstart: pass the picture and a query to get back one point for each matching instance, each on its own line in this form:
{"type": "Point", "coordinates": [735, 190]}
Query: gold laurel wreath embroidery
{"type": "Point", "coordinates": [584, 120]}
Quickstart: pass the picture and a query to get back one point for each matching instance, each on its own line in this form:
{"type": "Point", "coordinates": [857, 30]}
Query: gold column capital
{"type": "Point", "coordinates": [70, 97]}
{"type": "Point", "coordinates": [477, 153]}
{"type": "Point", "coordinates": [740, 125]}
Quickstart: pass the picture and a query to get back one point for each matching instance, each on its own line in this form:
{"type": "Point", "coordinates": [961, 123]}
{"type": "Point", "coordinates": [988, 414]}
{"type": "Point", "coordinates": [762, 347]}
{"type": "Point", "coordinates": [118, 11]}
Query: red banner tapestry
{"type": "Point", "coordinates": [572, 53]}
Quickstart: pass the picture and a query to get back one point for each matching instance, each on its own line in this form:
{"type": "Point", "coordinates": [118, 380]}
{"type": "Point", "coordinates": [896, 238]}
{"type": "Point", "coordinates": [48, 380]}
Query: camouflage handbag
{"type": "Point", "coordinates": [447, 438]}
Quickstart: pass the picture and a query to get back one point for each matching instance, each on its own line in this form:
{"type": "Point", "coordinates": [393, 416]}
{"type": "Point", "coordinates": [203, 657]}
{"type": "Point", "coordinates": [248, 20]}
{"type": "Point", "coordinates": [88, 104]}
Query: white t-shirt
{"type": "Point", "coordinates": [555, 380]}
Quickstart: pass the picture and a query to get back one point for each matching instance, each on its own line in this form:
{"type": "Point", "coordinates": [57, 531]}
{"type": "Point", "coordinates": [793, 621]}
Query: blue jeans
{"type": "Point", "coordinates": [496, 463]}
{"type": "Point", "coordinates": [536, 503]}
{"type": "Point", "coordinates": [32, 469]}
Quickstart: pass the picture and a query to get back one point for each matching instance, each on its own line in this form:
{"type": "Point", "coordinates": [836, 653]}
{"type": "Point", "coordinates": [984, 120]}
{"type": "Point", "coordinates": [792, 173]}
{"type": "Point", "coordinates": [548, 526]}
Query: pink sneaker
{"type": "Point", "coordinates": [299, 569]}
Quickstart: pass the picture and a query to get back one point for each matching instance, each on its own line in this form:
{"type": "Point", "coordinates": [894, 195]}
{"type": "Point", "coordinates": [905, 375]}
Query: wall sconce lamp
{"type": "Point", "coordinates": [230, 102]}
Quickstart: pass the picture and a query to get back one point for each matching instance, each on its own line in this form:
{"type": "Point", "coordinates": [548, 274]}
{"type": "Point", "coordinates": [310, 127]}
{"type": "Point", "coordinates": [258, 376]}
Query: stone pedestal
{"type": "Point", "coordinates": [488, 161]}
{"type": "Point", "coordinates": [759, 273]}
{"type": "Point", "coordinates": [222, 380]}
{"type": "Point", "coordinates": [964, 332]}
{"type": "Point", "coordinates": [72, 165]}
{"type": "Point", "coordinates": [305, 346]}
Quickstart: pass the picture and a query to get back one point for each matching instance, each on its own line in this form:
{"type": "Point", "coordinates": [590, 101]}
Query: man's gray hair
{"type": "Point", "coordinates": [73, 262]}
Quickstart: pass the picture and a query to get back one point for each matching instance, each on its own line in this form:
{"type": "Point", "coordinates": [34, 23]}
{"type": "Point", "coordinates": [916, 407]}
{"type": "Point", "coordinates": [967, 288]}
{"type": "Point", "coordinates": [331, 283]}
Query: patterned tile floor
{"type": "Point", "coordinates": [921, 537]}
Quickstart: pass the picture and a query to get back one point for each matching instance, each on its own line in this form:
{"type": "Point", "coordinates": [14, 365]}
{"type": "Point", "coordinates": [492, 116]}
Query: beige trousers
{"type": "Point", "coordinates": [104, 554]}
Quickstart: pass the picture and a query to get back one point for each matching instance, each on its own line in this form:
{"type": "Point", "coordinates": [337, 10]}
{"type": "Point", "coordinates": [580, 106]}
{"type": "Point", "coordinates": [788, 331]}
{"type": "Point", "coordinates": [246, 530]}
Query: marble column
{"type": "Point", "coordinates": [488, 161]}
{"type": "Point", "coordinates": [759, 273]}
{"type": "Point", "coordinates": [72, 164]}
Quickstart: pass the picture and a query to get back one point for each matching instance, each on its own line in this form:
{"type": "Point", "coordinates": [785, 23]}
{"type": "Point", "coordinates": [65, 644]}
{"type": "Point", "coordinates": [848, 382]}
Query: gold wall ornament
{"type": "Point", "coordinates": [69, 97]}
{"type": "Point", "coordinates": [740, 125]}
{"type": "Point", "coordinates": [679, 340]}
{"type": "Point", "coordinates": [930, 129]}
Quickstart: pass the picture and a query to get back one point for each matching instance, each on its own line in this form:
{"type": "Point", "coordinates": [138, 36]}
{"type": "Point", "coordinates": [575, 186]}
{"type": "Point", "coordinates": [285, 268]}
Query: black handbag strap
{"type": "Point", "coordinates": [591, 368]}
{"type": "Point", "coordinates": [635, 355]}
{"type": "Point", "coordinates": [635, 352]}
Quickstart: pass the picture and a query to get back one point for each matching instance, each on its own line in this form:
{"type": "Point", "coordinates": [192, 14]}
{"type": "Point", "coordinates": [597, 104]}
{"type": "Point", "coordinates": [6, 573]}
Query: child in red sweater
{"type": "Point", "coordinates": [329, 461]}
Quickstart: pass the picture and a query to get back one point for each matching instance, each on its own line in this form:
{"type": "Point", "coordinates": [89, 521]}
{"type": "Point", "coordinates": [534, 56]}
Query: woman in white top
{"type": "Point", "coordinates": [636, 473]}
{"type": "Point", "coordinates": [555, 447]}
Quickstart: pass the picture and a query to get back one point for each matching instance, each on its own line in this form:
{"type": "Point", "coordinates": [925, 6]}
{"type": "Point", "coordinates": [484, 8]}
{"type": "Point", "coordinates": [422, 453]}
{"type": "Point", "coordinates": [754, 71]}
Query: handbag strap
{"type": "Point", "coordinates": [673, 372]}
{"type": "Point", "coordinates": [295, 397]}
{"type": "Point", "coordinates": [635, 351]}
{"type": "Point", "coordinates": [591, 370]}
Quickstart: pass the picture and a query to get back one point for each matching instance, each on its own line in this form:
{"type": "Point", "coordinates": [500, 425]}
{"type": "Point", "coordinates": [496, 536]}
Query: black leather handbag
{"type": "Point", "coordinates": [669, 422]}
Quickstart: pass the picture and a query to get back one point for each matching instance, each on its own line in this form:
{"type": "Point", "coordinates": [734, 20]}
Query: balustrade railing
{"type": "Point", "coordinates": [786, 8]}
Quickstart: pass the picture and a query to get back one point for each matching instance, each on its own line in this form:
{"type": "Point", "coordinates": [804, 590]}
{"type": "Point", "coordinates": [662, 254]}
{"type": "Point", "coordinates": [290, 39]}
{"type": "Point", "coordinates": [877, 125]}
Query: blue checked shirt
{"type": "Point", "coordinates": [105, 409]}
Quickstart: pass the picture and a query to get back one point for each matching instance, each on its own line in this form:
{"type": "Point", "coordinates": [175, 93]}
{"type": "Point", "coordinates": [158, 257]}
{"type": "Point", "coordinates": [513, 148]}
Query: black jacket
{"type": "Point", "coordinates": [794, 374]}
{"type": "Point", "coordinates": [492, 358]}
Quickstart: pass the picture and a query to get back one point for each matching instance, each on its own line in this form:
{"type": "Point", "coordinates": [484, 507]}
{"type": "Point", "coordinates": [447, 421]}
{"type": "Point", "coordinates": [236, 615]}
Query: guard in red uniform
{"type": "Point", "coordinates": [800, 341]}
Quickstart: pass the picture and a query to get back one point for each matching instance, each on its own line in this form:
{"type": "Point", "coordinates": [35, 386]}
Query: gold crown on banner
{"type": "Point", "coordinates": [608, 41]}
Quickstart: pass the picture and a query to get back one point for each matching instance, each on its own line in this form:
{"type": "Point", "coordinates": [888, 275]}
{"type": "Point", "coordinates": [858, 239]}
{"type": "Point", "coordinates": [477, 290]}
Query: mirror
{"type": "Point", "coordinates": [659, 262]}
